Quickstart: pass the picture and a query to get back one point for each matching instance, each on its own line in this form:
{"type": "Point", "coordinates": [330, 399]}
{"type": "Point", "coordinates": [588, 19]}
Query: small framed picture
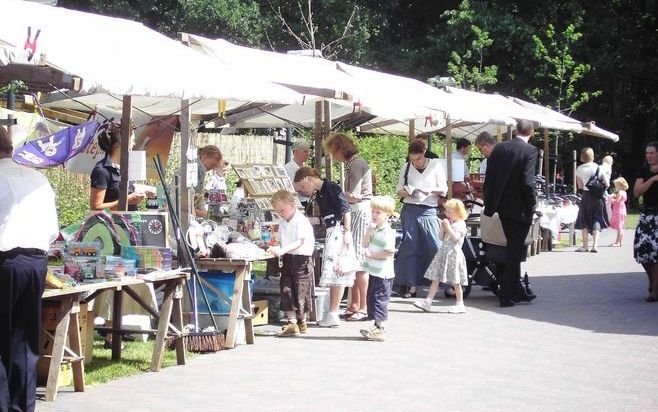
{"type": "Point", "coordinates": [250, 172]}
{"type": "Point", "coordinates": [275, 216]}
{"type": "Point", "coordinates": [265, 171]}
{"type": "Point", "coordinates": [288, 185]}
{"type": "Point", "coordinates": [257, 186]}
{"type": "Point", "coordinates": [240, 172]}
{"type": "Point", "coordinates": [261, 187]}
{"type": "Point", "coordinates": [279, 171]}
{"type": "Point", "coordinates": [279, 184]}
{"type": "Point", "coordinates": [271, 185]}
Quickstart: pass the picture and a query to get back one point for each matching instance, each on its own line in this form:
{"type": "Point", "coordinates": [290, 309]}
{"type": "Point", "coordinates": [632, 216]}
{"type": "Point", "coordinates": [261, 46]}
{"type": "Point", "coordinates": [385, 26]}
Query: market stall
{"type": "Point", "coordinates": [65, 340]}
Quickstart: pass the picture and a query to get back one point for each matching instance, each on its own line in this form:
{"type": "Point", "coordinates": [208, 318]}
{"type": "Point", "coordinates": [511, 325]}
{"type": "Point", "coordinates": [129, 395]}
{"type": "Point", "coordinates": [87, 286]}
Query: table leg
{"type": "Point", "coordinates": [117, 313]}
{"type": "Point", "coordinates": [248, 321]}
{"type": "Point", "coordinates": [77, 365]}
{"type": "Point", "coordinates": [177, 321]}
{"type": "Point", "coordinates": [313, 313]}
{"type": "Point", "coordinates": [163, 327]}
{"type": "Point", "coordinates": [236, 301]}
{"type": "Point", "coordinates": [59, 342]}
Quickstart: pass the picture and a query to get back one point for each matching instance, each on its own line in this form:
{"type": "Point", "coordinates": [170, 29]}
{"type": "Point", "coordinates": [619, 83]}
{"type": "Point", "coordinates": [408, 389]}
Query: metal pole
{"type": "Point", "coordinates": [449, 155]}
{"type": "Point", "coordinates": [288, 145]}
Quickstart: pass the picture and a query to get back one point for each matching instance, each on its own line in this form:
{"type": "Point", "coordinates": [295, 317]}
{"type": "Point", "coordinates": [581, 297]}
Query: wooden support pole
{"type": "Point", "coordinates": [574, 166]}
{"type": "Point", "coordinates": [449, 155]}
{"type": "Point", "coordinates": [326, 131]}
{"type": "Point", "coordinates": [546, 160]}
{"type": "Point", "coordinates": [499, 134]}
{"type": "Point", "coordinates": [411, 135]}
{"type": "Point", "coordinates": [126, 137]}
{"type": "Point", "coordinates": [317, 136]}
{"type": "Point", "coordinates": [184, 191]}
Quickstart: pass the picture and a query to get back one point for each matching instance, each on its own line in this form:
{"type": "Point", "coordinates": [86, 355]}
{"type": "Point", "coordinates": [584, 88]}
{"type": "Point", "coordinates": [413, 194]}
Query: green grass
{"type": "Point", "coordinates": [258, 268]}
{"type": "Point", "coordinates": [135, 359]}
{"type": "Point", "coordinates": [632, 218]}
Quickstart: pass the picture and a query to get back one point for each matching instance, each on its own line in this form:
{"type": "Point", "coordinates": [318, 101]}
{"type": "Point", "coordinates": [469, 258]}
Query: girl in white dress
{"type": "Point", "coordinates": [449, 264]}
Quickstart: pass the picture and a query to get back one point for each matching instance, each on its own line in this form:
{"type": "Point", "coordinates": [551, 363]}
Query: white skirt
{"type": "Point", "coordinates": [333, 248]}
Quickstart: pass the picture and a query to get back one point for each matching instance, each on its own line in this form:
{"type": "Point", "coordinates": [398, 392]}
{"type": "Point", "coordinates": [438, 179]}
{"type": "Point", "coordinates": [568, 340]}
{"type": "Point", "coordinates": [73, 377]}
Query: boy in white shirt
{"type": "Point", "coordinates": [296, 244]}
{"type": "Point", "coordinates": [379, 242]}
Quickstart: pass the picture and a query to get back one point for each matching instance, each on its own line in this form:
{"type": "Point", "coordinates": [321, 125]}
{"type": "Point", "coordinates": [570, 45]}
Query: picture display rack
{"type": "Point", "coordinates": [261, 181]}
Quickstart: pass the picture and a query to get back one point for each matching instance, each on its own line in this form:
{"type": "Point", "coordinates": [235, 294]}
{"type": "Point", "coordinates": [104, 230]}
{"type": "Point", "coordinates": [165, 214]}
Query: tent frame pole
{"type": "Point", "coordinates": [126, 140]}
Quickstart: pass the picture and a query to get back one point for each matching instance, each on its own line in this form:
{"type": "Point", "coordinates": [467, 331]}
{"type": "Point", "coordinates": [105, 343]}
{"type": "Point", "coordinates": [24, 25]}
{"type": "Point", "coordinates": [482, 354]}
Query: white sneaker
{"type": "Point", "coordinates": [459, 308]}
{"type": "Point", "coordinates": [329, 320]}
{"type": "Point", "coordinates": [423, 305]}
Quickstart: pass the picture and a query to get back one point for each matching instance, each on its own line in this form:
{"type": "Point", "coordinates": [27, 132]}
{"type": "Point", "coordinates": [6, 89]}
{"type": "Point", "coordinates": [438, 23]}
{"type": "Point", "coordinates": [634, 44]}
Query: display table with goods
{"type": "Point", "coordinates": [63, 334]}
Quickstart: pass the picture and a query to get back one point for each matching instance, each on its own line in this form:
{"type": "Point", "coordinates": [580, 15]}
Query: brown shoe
{"type": "Point", "coordinates": [289, 329]}
{"type": "Point", "coordinates": [303, 327]}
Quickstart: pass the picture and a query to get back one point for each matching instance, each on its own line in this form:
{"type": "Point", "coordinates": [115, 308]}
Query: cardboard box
{"type": "Point", "coordinates": [260, 312]}
{"type": "Point", "coordinates": [65, 375]}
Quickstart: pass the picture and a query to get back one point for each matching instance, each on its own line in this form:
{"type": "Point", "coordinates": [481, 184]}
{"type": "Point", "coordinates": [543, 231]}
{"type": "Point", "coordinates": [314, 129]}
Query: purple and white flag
{"type": "Point", "coordinates": [57, 148]}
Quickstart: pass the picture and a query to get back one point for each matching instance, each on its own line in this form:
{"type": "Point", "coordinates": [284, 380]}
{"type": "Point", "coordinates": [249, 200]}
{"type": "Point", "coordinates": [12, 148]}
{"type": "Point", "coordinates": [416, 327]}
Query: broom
{"type": "Point", "coordinates": [195, 340]}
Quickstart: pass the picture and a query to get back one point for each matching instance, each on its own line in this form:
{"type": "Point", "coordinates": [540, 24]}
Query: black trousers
{"type": "Point", "coordinates": [516, 233]}
{"type": "Point", "coordinates": [22, 278]}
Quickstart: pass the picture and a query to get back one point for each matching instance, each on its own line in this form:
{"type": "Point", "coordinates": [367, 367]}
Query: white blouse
{"type": "Point", "coordinates": [433, 177]}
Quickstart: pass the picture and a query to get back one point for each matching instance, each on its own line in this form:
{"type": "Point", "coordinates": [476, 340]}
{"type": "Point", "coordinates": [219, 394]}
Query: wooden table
{"type": "Point", "coordinates": [68, 324]}
{"type": "Point", "coordinates": [241, 296]}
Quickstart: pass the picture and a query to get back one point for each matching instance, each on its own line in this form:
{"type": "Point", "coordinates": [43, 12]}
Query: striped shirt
{"type": "Point", "coordinates": [381, 239]}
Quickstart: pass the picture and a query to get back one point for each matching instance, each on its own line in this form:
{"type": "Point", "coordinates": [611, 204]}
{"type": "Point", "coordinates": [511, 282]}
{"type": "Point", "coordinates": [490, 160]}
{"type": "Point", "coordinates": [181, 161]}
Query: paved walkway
{"type": "Point", "coordinates": [588, 343]}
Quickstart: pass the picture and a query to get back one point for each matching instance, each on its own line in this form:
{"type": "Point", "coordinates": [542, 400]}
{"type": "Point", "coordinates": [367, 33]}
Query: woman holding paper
{"type": "Point", "coordinates": [106, 176]}
{"type": "Point", "coordinates": [422, 181]}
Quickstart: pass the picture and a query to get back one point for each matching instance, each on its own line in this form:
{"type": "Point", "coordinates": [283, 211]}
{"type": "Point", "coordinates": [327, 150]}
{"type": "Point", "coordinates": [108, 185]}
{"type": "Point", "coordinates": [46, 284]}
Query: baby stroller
{"type": "Point", "coordinates": [481, 260]}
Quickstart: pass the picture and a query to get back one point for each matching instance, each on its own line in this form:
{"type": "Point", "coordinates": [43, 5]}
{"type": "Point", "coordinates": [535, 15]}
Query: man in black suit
{"type": "Point", "coordinates": [509, 190]}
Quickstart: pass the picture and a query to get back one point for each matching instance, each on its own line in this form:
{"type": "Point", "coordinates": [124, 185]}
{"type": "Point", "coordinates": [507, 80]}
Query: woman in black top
{"type": "Point", "coordinates": [335, 212]}
{"type": "Point", "coordinates": [106, 176]}
{"type": "Point", "coordinates": [646, 233]}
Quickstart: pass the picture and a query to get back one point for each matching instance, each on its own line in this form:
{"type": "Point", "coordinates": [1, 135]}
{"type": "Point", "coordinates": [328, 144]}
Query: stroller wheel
{"type": "Point", "coordinates": [449, 292]}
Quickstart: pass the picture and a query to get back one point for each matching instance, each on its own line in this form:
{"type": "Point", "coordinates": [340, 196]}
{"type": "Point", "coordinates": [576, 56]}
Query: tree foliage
{"type": "Point", "coordinates": [563, 74]}
{"type": "Point", "coordinates": [466, 65]}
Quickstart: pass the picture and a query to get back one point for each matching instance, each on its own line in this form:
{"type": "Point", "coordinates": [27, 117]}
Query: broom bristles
{"type": "Point", "coordinates": [201, 342]}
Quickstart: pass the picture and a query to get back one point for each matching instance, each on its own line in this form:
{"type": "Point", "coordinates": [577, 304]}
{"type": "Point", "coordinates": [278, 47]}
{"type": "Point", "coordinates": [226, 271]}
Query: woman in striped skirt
{"type": "Point", "coordinates": [358, 191]}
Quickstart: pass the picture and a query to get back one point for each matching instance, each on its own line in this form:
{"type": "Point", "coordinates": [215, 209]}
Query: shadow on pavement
{"type": "Point", "coordinates": [603, 303]}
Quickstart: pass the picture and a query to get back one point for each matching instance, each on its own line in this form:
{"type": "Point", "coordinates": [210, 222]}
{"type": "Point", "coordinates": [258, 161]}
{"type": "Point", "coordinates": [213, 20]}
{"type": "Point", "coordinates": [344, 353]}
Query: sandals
{"type": "Point", "coordinates": [593, 250]}
{"type": "Point", "coordinates": [580, 249]}
{"type": "Point", "coordinates": [357, 317]}
{"type": "Point", "coordinates": [651, 299]}
{"type": "Point", "coordinates": [348, 313]}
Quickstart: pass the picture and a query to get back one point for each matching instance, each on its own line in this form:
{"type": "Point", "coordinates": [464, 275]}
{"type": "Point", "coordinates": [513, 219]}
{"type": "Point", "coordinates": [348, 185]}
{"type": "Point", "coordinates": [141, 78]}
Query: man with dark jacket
{"type": "Point", "coordinates": [509, 190]}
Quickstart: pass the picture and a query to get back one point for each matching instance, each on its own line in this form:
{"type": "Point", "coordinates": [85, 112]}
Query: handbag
{"type": "Point", "coordinates": [596, 186]}
{"type": "Point", "coordinates": [346, 262]}
{"type": "Point", "coordinates": [491, 230]}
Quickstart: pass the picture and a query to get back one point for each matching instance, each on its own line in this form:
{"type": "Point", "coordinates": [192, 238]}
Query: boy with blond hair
{"type": "Point", "coordinates": [296, 244]}
{"type": "Point", "coordinates": [379, 244]}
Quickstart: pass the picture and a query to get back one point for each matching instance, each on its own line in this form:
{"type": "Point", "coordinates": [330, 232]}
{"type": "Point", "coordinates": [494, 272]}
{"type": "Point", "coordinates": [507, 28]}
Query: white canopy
{"type": "Point", "coordinates": [563, 122]}
{"type": "Point", "coordinates": [120, 57]}
{"type": "Point", "coordinates": [308, 75]}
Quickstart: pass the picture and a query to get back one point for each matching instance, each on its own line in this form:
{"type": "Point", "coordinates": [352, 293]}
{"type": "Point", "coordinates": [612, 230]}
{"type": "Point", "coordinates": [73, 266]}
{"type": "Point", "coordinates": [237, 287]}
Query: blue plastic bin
{"type": "Point", "coordinates": [221, 281]}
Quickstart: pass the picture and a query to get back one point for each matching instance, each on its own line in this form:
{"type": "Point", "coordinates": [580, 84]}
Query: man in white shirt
{"type": "Point", "coordinates": [462, 149]}
{"type": "Point", "coordinates": [300, 153]}
{"type": "Point", "coordinates": [28, 224]}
